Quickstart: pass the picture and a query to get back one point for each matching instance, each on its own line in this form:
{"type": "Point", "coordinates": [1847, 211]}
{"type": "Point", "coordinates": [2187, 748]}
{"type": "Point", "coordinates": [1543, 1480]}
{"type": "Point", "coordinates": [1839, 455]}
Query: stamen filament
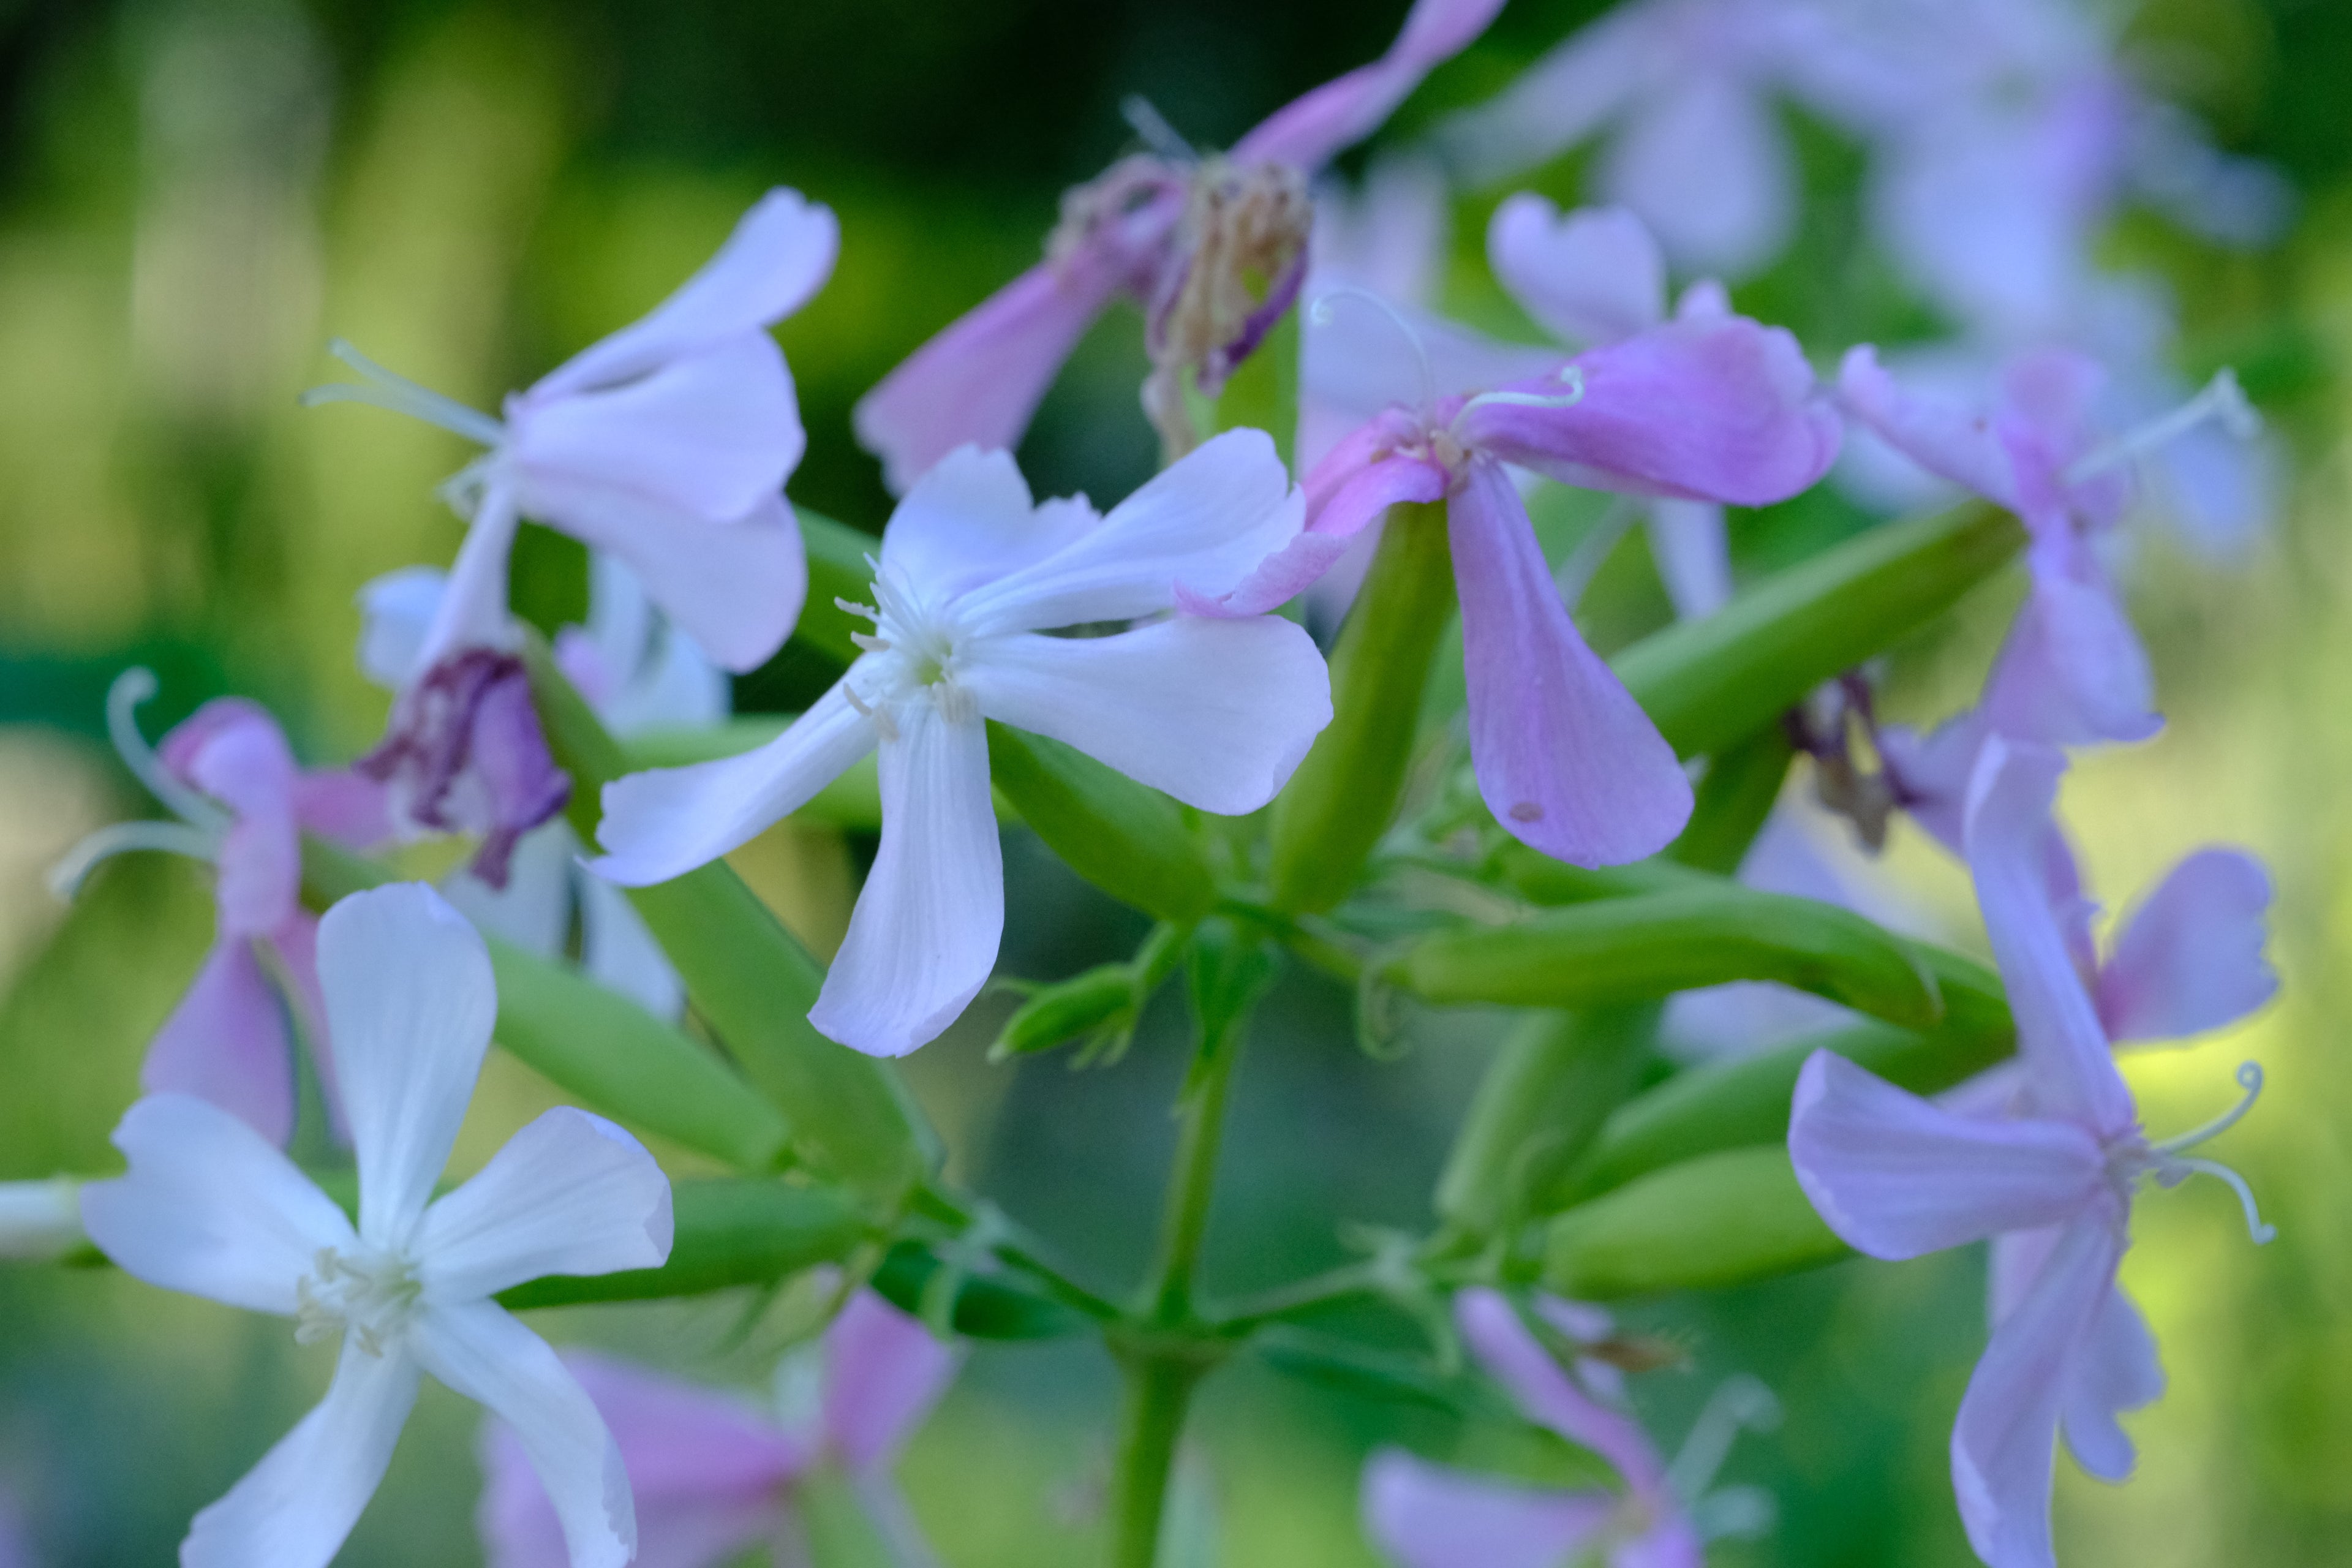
{"type": "Point", "coordinates": [1148, 123]}
{"type": "Point", "coordinates": [1321, 312]}
{"type": "Point", "coordinates": [1739, 1401]}
{"type": "Point", "coordinates": [2250, 1078]}
{"type": "Point", "coordinates": [131, 688]}
{"type": "Point", "coordinates": [2221, 399]}
{"type": "Point", "coordinates": [2178, 1168]}
{"type": "Point", "coordinates": [389, 389]}
{"type": "Point", "coordinates": [66, 878]}
{"type": "Point", "coordinates": [1571, 376]}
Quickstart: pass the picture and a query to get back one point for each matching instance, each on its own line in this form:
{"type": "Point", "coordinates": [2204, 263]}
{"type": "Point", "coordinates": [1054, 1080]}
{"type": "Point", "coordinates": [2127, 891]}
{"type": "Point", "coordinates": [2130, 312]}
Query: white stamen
{"type": "Point", "coordinates": [1735, 1513]}
{"type": "Point", "coordinates": [2250, 1078]}
{"type": "Point", "coordinates": [2176, 1169]}
{"type": "Point", "coordinates": [388, 389]}
{"type": "Point", "coordinates": [66, 878]}
{"type": "Point", "coordinates": [852, 608]}
{"type": "Point", "coordinates": [131, 688]}
{"type": "Point", "coordinates": [871, 643]}
{"type": "Point", "coordinates": [370, 1296]}
{"type": "Point", "coordinates": [1322, 310]}
{"type": "Point", "coordinates": [1152, 126]}
{"type": "Point", "coordinates": [2221, 400]}
{"type": "Point", "coordinates": [1739, 1401]}
{"type": "Point", "coordinates": [1571, 376]}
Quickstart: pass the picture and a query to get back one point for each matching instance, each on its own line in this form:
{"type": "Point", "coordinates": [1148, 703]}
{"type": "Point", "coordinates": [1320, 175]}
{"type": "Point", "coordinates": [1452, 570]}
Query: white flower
{"type": "Point", "coordinates": [1216, 713]}
{"type": "Point", "coordinates": [211, 1208]}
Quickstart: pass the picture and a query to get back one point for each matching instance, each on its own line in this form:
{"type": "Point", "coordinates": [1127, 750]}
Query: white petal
{"type": "Point", "coordinates": [395, 611]}
{"type": "Point", "coordinates": [533, 911]}
{"type": "Point", "coordinates": [1207, 521]}
{"type": "Point", "coordinates": [410, 1001]}
{"type": "Point", "coordinates": [924, 934]}
{"type": "Point", "coordinates": [1217, 713]}
{"type": "Point", "coordinates": [970, 519]}
{"type": "Point", "coordinates": [484, 1353]}
{"type": "Point", "coordinates": [734, 588]}
{"type": "Point", "coordinates": [1706, 162]}
{"type": "Point", "coordinates": [472, 610]}
{"type": "Point", "coordinates": [619, 952]}
{"type": "Point", "coordinates": [1591, 276]}
{"type": "Point", "coordinates": [665, 822]}
{"type": "Point", "coordinates": [210, 1207]}
{"type": "Point", "coordinates": [570, 1193]}
{"type": "Point", "coordinates": [709, 434]}
{"type": "Point", "coordinates": [781, 253]}
{"type": "Point", "coordinates": [295, 1509]}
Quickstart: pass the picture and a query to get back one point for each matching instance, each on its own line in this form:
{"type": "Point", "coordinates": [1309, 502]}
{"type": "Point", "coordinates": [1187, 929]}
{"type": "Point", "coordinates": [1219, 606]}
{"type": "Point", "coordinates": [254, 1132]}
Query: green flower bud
{"type": "Point", "coordinates": [1721, 1220]}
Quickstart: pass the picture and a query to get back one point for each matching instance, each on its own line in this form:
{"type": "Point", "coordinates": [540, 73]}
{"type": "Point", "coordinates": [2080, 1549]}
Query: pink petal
{"type": "Point", "coordinates": [1897, 1177]}
{"type": "Point", "coordinates": [234, 753]}
{"type": "Point", "coordinates": [1569, 93]}
{"type": "Point", "coordinates": [2073, 672]}
{"type": "Point", "coordinates": [1693, 552]}
{"type": "Point", "coordinates": [1955, 442]}
{"type": "Point", "coordinates": [1702, 408]}
{"type": "Point", "coordinates": [709, 435]}
{"type": "Point", "coordinates": [978, 381]}
{"type": "Point", "coordinates": [1429, 1516]}
{"type": "Point", "coordinates": [1306, 131]}
{"type": "Point", "coordinates": [2004, 1441]}
{"type": "Point", "coordinates": [226, 1042]}
{"type": "Point", "coordinates": [1348, 507]}
{"type": "Point", "coordinates": [1512, 1357]}
{"type": "Point", "coordinates": [734, 588]}
{"type": "Point", "coordinates": [2059, 1035]}
{"type": "Point", "coordinates": [1564, 757]}
{"type": "Point", "coordinates": [1931, 773]}
{"type": "Point", "coordinates": [1705, 162]}
{"type": "Point", "coordinates": [1593, 276]}
{"type": "Point", "coordinates": [341, 804]}
{"type": "Point", "coordinates": [779, 253]}
{"type": "Point", "coordinates": [2114, 1368]}
{"type": "Point", "coordinates": [2190, 958]}
{"type": "Point", "coordinates": [884, 1371]}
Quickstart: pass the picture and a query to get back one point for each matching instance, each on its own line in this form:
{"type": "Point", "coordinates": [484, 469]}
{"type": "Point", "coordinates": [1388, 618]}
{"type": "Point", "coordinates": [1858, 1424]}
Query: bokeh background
{"type": "Point", "coordinates": [195, 194]}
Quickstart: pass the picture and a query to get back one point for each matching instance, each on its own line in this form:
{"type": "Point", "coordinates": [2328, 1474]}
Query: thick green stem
{"type": "Point", "coordinates": [1159, 1390]}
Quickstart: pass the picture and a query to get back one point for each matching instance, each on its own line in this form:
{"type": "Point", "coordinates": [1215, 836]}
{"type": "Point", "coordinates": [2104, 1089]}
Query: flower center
{"type": "Point", "coordinates": [2133, 1160]}
{"type": "Point", "coordinates": [371, 1295]}
{"type": "Point", "coordinates": [911, 653]}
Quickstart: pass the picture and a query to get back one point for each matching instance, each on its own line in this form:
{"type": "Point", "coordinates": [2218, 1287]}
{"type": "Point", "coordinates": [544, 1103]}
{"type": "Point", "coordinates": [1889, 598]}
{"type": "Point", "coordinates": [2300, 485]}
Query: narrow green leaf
{"type": "Point", "coordinates": [1125, 838]}
{"type": "Point", "coordinates": [728, 1233]}
{"type": "Point", "coordinates": [1346, 1367]}
{"type": "Point", "coordinates": [1061, 1012]}
{"type": "Point", "coordinates": [1653, 944]}
{"type": "Point", "coordinates": [1742, 785]}
{"type": "Point", "coordinates": [1343, 796]}
{"type": "Point", "coordinates": [985, 1309]}
{"type": "Point", "coordinates": [598, 1046]}
{"type": "Point", "coordinates": [1718, 1220]}
{"type": "Point", "coordinates": [1710, 683]}
{"type": "Point", "coordinates": [752, 980]}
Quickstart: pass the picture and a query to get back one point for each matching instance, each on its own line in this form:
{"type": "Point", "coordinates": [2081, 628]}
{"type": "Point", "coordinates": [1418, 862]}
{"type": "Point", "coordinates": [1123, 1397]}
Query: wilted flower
{"type": "Point", "coordinates": [1217, 712]}
{"type": "Point", "coordinates": [209, 1208]}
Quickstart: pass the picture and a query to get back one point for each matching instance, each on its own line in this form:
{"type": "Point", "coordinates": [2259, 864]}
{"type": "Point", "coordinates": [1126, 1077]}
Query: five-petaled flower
{"type": "Point", "coordinates": [971, 577]}
{"type": "Point", "coordinates": [210, 1208]}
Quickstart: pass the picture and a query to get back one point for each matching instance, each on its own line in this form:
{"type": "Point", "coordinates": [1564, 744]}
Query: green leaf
{"type": "Point", "coordinates": [1345, 1367]}
{"type": "Point", "coordinates": [728, 1233]}
{"type": "Point", "coordinates": [985, 1309]}
{"type": "Point", "coordinates": [836, 1525]}
{"type": "Point", "coordinates": [1741, 786]}
{"type": "Point", "coordinates": [1721, 1220]}
{"type": "Point", "coordinates": [751, 981]}
{"type": "Point", "coordinates": [1711, 683]}
{"type": "Point", "coordinates": [1125, 838]}
{"type": "Point", "coordinates": [1343, 796]}
{"type": "Point", "coordinates": [1653, 944]}
{"type": "Point", "coordinates": [599, 1046]}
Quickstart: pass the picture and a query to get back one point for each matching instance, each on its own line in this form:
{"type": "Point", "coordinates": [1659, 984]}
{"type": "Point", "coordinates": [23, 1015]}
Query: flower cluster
{"type": "Point", "coordinates": [1218, 700]}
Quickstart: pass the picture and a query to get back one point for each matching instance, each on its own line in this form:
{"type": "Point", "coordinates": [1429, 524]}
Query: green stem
{"type": "Point", "coordinates": [1192, 1183]}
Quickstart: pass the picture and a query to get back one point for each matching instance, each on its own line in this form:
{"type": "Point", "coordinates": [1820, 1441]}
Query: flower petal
{"type": "Point", "coordinates": [1306, 131]}
{"type": "Point", "coordinates": [1693, 552]}
{"type": "Point", "coordinates": [1216, 712]}
{"type": "Point", "coordinates": [1429, 1516]}
{"type": "Point", "coordinates": [396, 613]}
{"type": "Point", "coordinates": [971, 518]}
{"type": "Point", "coordinates": [234, 752]}
{"type": "Point", "coordinates": [1705, 161]}
{"type": "Point", "coordinates": [1896, 1177]}
{"type": "Point", "coordinates": [533, 911]}
{"type": "Point", "coordinates": [2003, 1442]}
{"type": "Point", "coordinates": [1570, 91]}
{"type": "Point", "coordinates": [884, 1371]}
{"type": "Point", "coordinates": [1207, 520]}
{"type": "Point", "coordinates": [618, 951]}
{"type": "Point", "coordinates": [1701, 407]}
{"type": "Point", "coordinates": [2058, 1032]}
{"type": "Point", "coordinates": [570, 1193]}
{"type": "Point", "coordinates": [210, 1207]}
{"type": "Point", "coordinates": [1282, 576]}
{"type": "Point", "coordinates": [978, 381]}
{"type": "Point", "coordinates": [2073, 672]}
{"type": "Point", "coordinates": [779, 253]}
{"type": "Point", "coordinates": [1959, 444]}
{"type": "Point", "coordinates": [296, 1508]}
{"type": "Point", "coordinates": [227, 1043]}
{"type": "Point", "coordinates": [2114, 1368]}
{"type": "Point", "coordinates": [735, 587]}
{"type": "Point", "coordinates": [2190, 958]}
{"type": "Point", "coordinates": [667, 821]}
{"type": "Point", "coordinates": [1564, 757]}
{"type": "Point", "coordinates": [925, 931]}
{"type": "Point", "coordinates": [709, 435]}
{"type": "Point", "coordinates": [705, 1471]}
{"type": "Point", "coordinates": [1593, 276]}
{"type": "Point", "coordinates": [410, 1000]}
{"type": "Point", "coordinates": [1490, 1326]}
{"type": "Point", "coordinates": [481, 1351]}
{"type": "Point", "coordinates": [341, 804]}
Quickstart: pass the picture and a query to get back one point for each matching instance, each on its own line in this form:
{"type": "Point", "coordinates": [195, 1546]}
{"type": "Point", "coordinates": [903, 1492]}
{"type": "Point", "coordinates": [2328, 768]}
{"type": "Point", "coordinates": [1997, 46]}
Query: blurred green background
{"type": "Point", "coordinates": [195, 194]}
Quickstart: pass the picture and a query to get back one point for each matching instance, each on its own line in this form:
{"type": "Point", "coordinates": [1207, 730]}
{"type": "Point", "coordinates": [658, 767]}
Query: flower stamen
{"type": "Point", "coordinates": [2221, 400]}
{"type": "Point", "coordinates": [389, 389]}
{"type": "Point", "coordinates": [1324, 307]}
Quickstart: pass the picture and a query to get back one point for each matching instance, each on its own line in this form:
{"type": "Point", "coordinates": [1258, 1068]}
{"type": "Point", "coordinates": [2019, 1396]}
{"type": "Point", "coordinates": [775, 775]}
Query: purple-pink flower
{"type": "Point", "coordinates": [1176, 232]}
{"type": "Point", "coordinates": [1898, 1176]}
{"type": "Point", "coordinates": [242, 804]}
{"type": "Point", "coordinates": [714, 1474]}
